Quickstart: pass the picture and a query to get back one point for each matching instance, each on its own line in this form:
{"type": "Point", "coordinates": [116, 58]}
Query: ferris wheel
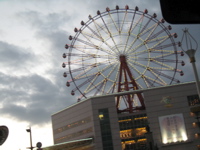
{"type": "Point", "coordinates": [121, 50]}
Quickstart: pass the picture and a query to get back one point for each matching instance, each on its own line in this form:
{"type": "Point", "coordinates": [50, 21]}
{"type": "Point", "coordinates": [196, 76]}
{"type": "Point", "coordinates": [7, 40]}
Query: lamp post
{"type": "Point", "coordinates": [191, 48]}
{"type": "Point", "coordinates": [29, 130]}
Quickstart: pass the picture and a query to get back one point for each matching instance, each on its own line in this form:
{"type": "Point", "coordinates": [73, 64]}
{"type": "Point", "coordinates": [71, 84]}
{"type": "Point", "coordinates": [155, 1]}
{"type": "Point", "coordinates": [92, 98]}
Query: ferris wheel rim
{"type": "Point", "coordinates": [86, 24]}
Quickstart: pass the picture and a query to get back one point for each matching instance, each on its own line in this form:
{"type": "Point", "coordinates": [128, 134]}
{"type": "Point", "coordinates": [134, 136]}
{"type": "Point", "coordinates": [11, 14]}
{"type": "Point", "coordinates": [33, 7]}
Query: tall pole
{"type": "Point", "coordinates": [31, 139]}
{"type": "Point", "coordinates": [190, 42]}
{"type": "Point", "coordinates": [196, 78]}
{"type": "Point", "coordinates": [29, 130]}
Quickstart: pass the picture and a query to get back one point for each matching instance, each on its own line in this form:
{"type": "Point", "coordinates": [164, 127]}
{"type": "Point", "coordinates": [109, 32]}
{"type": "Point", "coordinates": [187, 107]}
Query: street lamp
{"type": "Point", "coordinates": [191, 47]}
{"type": "Point", "coordinates": [29, 130]}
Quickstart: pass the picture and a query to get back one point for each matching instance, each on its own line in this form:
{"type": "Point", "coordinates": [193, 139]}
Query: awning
{"type": "Point", "coordinates": [81, 144]}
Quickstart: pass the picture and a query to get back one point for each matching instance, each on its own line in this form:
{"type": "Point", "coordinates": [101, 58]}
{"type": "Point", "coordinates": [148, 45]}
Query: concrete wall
{"type": "Point", "coordinates": [101, 103]}
{"type": "Point", "coordinates": [72, 114]}
{"type": "Point", "coordinates": [179, 104]}
{"type": "Point", "coordinates": [154, 109]}
{"type": "Point", "coordinates": [84, 109]}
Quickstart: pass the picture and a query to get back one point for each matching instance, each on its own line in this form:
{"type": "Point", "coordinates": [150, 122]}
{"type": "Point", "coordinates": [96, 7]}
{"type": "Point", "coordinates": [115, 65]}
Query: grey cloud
{"type": "Point", "coordinates": [30, 98]}
{"type": "Point", "coordinates": [46, 22]}
{"type": "Point", "coordinates": [41, 96]}
{"type": "Point", "coordinates": [11, 55]}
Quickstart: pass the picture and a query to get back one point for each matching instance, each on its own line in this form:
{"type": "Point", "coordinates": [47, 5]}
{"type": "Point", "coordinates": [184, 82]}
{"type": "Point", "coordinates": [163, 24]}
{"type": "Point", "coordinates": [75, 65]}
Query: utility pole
{"type": "Point", "coordinates": [29, 130]}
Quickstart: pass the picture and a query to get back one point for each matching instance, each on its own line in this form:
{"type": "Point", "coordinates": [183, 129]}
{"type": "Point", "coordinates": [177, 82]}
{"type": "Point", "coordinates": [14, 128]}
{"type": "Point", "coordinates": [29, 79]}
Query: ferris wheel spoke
{"type": "Point", "coordinates": [139, 64]}
{"type": "Point", "coordinates": [112, 71]}
{"type": "Point", "coordinates": [145, 30]}
{"type": "Point", "coordinates": [138, 23]}
{"type": "Point", "coordinates": [137, 47]}
{"type": "Point", "coordinates": [90, 37]}
{"type": "Point", "coordinates": [158, 40]}
{"type": "Point", "coordinates": [95, 33]}
{"type": "Point", "coordinates": [152, 81]}
{"type": "Point", "coordinates": [87, 43]}
{"type": "Point", "coordinates": [123, 21]}
{"type": "Point", "coordinates": [128, 36]}
{"type": "Point", "coordinates": [112, 88]}
{"type": "Point", "coordinates": [100, 28]}
{"type": "Point", "coordinates": [157, 47]}
{"type": "Point", "coordinates": [89, 78]}
{"type": "Point", "coordinates": [165, 75]}
{"type": "Point", "coordinates": [160, 68]}
{"type": "Point", "coordinates": [157, 75]}
{"type": "Point", "coordinates": [113, 22]}
{"type": "Point", "coordinates": [83, 75]}
{"type": "Point", "coordinates": [80, 78]}
{"type": "Point", "coordinates": [93, 86]}
{"type": "Point", "coordinates": [86, 55]}
{"type": "Point", "coordinates": [152, 36]}
{"type": "Point", "coordinates": [140, 20]}
{"type": "Point", "coordinates": [89, 88]}
{"type": "Point", "coordinates": [80, 60]}
{"type": "Point", "coordinates": [161, 59]}
{"type": "Point", "coordinates": [139, 85]}
{"type": "Point", "coordinates": [149, 30]}
{"type": "Point", "coordinates": [102, 40]}
{"type": "Point", "coordinates": [153, 50]}
{"type": "Point", "coordinates": [107, 67]}
{"type": "Point", "coordinates": [88, 68]}
{"type": "Point", "coordinates": [138, 53]}
{"type": "Point", "coordinates": [106, 32]}
{"type": "Point", "coordinates": [110, 34]}
{"type": "Point", "coordinates": [134, 68]}
{"type": "Point", "coordinates": [101, 87]}
{"type": "Point", "coordinates": [87, 50]}
{"type": "Point", "coordinates": [148, 82]}
{"type": "Point", "coordinates": [162, 64]}
{"type": "Point", "coordinates": [132, 22]}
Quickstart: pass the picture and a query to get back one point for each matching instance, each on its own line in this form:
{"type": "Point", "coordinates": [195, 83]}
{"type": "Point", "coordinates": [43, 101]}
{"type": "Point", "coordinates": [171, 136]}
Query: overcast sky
{"type": "Point", "coordinates": [33, 34]}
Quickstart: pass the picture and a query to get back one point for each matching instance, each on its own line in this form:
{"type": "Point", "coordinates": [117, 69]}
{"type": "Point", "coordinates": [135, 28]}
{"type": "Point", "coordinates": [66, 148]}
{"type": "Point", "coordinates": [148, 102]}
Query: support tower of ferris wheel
{"type": "Point", "coordinates": [121, 50]}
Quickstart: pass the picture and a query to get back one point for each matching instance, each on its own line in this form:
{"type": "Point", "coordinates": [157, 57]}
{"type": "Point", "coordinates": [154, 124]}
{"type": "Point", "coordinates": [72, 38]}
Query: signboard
{"type": "Point", "coordinates": [172, 128]}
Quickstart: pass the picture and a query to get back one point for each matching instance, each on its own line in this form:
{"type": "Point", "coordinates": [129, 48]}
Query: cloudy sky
{"type": "Point", "coordinates": [32, 38]}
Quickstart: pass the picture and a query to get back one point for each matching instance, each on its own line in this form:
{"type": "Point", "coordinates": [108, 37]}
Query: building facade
{"type": "Point", "coordinates": [169, 122]}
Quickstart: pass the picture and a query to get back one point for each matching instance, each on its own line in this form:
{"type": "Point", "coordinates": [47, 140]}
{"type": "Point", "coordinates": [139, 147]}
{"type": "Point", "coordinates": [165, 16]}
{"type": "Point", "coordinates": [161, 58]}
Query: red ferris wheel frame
{"type": "Point", "coordinates": [101, 62]}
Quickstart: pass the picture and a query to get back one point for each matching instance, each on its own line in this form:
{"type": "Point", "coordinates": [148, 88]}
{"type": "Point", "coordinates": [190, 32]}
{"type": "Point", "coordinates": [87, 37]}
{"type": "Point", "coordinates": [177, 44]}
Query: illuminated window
{"type": "Point", "coordinates": [101, 116]}
{"type": "Point", "coordinates": [73, 135]}
{"type": "Point", "coordinates": [72, 125]}
{"type": "Point", "coordinates": [193, 100]}
{"type": "Point", "coordinates": [134, 121]}
{"type": "Point", "coordinates": [132, 133]}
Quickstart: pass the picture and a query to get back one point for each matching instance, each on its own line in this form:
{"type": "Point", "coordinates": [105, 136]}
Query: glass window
{"type": "Point", "coordinates": [73, 124]}
{"type": "Point", "coordinates": [106, 133]}
{"type": "Point", "coordinates": [193, 100]}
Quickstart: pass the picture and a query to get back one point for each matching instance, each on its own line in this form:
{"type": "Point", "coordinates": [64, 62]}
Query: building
{"type": "Point", "coordinates": [169, 122]}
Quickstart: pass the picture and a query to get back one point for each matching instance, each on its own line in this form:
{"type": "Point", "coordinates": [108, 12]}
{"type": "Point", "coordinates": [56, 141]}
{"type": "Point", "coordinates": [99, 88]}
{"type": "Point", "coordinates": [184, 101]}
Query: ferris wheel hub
{"type": "Point", "coordinates": [122, 58]}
